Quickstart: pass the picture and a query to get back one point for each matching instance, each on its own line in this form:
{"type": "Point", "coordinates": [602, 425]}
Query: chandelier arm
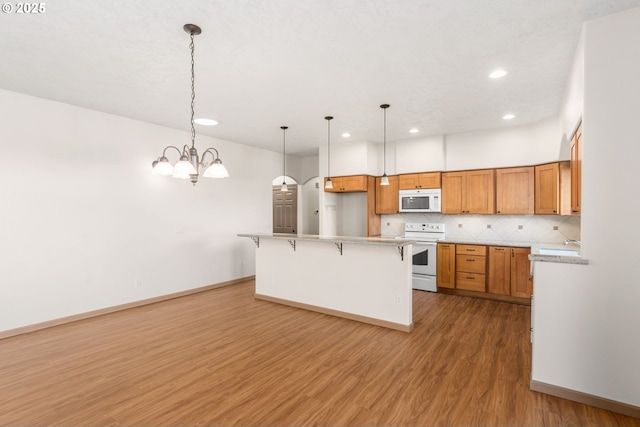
{"type": "Point", "coordinates": [164, 152]}
{"type": "Point", "coordinates": [209, 150]}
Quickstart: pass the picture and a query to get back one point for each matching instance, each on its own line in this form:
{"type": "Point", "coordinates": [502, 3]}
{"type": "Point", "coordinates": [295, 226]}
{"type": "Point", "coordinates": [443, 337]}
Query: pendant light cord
{"type": "Point", "coordinates": [384, 154]}
{"type": "Point", "coordinates": [193, 92]}
{"type": "Point", "coordinates": [329, 148]}
{"type": "Point", "coordinates": [284, 155]}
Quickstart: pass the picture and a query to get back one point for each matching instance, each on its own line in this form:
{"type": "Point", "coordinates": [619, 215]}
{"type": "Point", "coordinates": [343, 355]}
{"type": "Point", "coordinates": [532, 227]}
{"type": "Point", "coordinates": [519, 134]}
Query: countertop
{"type": "Point", "coordinates": [535, 249]}
{"type": "Point", "coordinates": [384, 241]}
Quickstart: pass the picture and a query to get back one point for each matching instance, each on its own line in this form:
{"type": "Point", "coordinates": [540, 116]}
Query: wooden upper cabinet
{"type": "Point", "coordinates": [411, 181]}
{"type": "Point", "coordinates": [343, 184]}
{"type": "Point", "coordinates": [468, 192]}
{"type": "Point", "coordinates": [553, 189]}
{"type": "Point", "coordinates": [576, 171]}
{"type": "Point", "coordinates": [387, 196]}
{"type": "Point", "coordinates": [515, 190]}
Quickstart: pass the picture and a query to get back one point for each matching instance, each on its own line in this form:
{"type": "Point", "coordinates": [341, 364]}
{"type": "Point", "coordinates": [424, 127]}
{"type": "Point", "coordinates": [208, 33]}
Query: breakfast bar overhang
{"type": "Point", "coordinates": [367, 279]}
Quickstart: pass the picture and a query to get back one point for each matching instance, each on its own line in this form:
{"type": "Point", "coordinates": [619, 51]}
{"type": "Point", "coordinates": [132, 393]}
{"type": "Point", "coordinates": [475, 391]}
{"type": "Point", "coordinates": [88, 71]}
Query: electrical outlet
{"type": "Point", "coordinates": [398, 299]}
{"type": "Point", "coordinates": [138, 282]}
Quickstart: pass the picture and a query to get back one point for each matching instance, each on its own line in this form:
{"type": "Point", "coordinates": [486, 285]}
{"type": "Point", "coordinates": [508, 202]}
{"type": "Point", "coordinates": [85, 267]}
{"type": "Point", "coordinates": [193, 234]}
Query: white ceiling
{"type": "Point", "coordinates": [261, 64]}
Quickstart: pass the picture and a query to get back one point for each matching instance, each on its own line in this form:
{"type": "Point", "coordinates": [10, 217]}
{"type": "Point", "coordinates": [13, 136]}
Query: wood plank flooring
{"type": "Point", "coordinates": [222, 358]}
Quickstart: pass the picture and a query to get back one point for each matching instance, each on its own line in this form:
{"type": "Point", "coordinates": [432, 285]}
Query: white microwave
{"type": "Point", "coordinates": [427, 200]}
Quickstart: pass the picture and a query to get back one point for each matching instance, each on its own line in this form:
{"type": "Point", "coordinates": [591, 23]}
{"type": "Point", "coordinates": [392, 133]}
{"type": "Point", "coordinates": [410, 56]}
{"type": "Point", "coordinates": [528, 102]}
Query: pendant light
{"type": "Point", "coordinates": [284, 159]}
{"type": "Point", "coordinates": [385, 178]}
{"type": "Point", "coordinates": [190, 162]}
{"type": "Point", "coordinates": [328, 185]}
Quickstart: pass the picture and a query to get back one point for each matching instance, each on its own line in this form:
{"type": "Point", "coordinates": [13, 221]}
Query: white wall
{"type": "Point", "coordinates": [84, 224]}
{"type": "Point", "coordinates": [513, 146]}
{"type": "Point", "coordinates": [420, 155]}
{"type": "Point", "coordinates": [310, 199]}
{"type": "Point", "coordinates": [586, 333]}
{"type": "Point", "coordinates": [366, 280]}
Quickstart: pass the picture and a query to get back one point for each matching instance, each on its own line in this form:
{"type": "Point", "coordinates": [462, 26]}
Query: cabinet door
{"type": "Point", "coordinates": [499, 270]}
{"type": "Point", "coordinates": [576, 171]}
{"type": "Point", "coordinates": [409, 181]}
{"type": "Point", "coordinates": [387, 196]}
{"type": "Point", "coordinates": [342, 184]}
{"type": "Point", "coordinates": [480, 191]}
{"type": "Point", "coordinates": [547, 189]}
{"type": "Point", "coordinates": [430, 180]}
{"type": "Point", "coordinates": [337, 185]}
{"type": "Point", "coordinates": [354, 183]}
{"type": "Point", "coordinates": [446, 270]}
{"type": "Point", "coordinates": [453, 184]}
{"type": "Point", "coordinates": [521, 281]}
{"type": "Point", "coordinates": [515, 190]}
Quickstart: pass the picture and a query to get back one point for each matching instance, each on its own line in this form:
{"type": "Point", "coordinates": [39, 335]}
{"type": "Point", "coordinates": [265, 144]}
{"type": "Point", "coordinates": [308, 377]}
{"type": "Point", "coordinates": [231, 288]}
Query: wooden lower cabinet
{"type": "Point", "coordinates": [509, 272]}
{"type": "Point", "coordinates": [499, 270]}
{"type": "Point", "coordinates": [494, 272]}
{"type": "Point", "coordinates": [471, 267]}
{"type": "Point", "coordinates": [446, 270]}
{"type": "Point", "coordinates": [521, 279]}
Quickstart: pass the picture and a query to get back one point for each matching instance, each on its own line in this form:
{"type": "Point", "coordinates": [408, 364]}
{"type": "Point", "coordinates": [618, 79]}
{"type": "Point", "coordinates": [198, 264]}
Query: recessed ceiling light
{"type": "Point", "coordinates": [414, 130]}
{"type": "Point", "coordinates": [496, 74]}
{"type": "Point", "coordinates": [205, 122]}
{"type": "Point", "coordinates": [508, 117]}
{"type": "Point", "coordinates": [346, 135]}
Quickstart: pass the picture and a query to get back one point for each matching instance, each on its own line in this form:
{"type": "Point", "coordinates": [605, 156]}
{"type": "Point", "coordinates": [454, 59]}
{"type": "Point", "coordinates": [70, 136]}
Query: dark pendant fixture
{"type": "Point", "coordinates": [328, 185]}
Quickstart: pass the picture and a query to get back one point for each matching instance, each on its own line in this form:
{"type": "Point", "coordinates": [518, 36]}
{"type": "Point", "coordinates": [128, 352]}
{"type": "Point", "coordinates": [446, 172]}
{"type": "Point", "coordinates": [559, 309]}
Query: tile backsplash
{"type": "Point", "coordinates": [514, 228]}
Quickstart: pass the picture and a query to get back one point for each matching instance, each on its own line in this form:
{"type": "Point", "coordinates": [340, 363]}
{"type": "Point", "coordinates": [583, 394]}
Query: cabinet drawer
{"type": "Point", "coordinates": [470, 281]}
{"type": "Point", "coordinates": [471, 250]}
{"type": "Point", "coordinates": [471, 263]}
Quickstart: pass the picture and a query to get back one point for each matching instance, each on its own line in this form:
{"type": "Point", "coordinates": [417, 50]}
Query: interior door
{"type": "Point", "coordinates": [285, 209]}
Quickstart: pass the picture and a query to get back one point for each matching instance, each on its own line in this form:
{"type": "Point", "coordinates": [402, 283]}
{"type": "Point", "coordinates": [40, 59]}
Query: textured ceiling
{"type": "Point", "coordinates": [261, 64]}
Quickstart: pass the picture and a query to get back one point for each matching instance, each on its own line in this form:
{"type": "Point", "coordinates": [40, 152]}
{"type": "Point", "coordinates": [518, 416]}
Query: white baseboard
{"type": "Point", "coordinates": [587, 399]}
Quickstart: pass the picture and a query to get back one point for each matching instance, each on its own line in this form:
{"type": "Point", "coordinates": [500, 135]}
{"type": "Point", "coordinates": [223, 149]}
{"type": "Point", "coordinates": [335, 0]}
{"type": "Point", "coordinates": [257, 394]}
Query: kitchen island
{"type": "Point", "coordinates": [367, 279]}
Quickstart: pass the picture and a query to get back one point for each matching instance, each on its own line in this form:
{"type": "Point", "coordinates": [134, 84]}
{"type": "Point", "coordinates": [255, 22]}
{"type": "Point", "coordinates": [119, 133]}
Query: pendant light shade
{"type": "Point", "coordinates": [284, 159]}
{"type": "Point", "coordinates": [190, 163]}
{"type": "Point", "coordinates": [385, 178]}
{"type": "Point", "coordinates": [329, 184]}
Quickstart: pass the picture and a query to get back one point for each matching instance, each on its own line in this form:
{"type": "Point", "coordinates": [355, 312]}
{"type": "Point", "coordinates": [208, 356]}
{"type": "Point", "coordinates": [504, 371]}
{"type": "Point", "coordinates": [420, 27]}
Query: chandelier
{"type": "Point", "coordinates": [190, 163]}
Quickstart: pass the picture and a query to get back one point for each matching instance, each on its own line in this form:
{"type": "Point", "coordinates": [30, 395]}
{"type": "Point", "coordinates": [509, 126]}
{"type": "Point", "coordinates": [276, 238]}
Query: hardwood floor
{"type": "Point", "coordinates": [222, 358]}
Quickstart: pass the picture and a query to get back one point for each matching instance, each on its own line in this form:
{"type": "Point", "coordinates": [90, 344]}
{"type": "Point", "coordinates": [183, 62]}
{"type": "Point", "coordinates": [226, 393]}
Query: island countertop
{"type": "Point", "coordinates": [385, 241]}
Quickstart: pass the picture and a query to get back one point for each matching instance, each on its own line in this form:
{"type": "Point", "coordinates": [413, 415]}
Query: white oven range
{"type": "Point", "coordinates": [424, 253]}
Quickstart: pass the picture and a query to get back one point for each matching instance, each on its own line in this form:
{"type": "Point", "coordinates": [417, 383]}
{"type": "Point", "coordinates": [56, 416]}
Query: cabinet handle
{"type": "Point", "coordinates": [498, 211]}
{"type": "Point", "coordinates": [499, 249]}
{"type": "Point", "coordinates": [471, 250]}
{"type": "Point", "coordinates": [513, 254]}
{"type": "Point", "coordinates": [554, 211]}
{"type": "Point", "coordinates": [470, 277]}
{"type": "Point", "coordinates": [471, 260]}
